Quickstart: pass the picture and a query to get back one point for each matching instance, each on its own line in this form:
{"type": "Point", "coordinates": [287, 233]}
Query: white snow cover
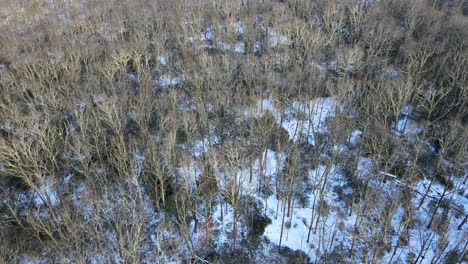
{"type": "Point", "coordinates": [167, 80]}
{"type": "Point", "coordinates": [275, 39]}
{"type": "Point", "coordinates": [336, 227]}
{"type": "Point", "coordinates": [406, 124]}
{"type": "Point", "coordinates": [47, 194]}
{"type": "Point", "coordinates": [301, 119]}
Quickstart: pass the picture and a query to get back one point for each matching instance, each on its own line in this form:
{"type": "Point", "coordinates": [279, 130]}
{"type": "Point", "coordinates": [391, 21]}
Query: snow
{"type": "Point", "coordinates": [301, 118]}
{"type": "Point", "coordinates": [364, 166]}
{"type": "Point", "coordinates": [138, 166]}
{"type": "Point", "coordinates": [308, 118]}
{"type": "Point", "coordinates": [294, 237]}
{"type": "Point", "coordinates": [257, 48]}
{"type": "Point", "coordinates": [200, 147]}
{"type": "Point", "coordinates": [407, 126]}
{"type": "Point", "coordinates": [81, 105]}
{"type": "Point", "coordinates": [238, 47]}
{"type": "Point", "coordinates": [69, 177]}
{"type": "Point", "coordinates": [167, 80]}
{"type": "Point", "coordinates": [337, 227]}
{"type": "Point", "coordinates": [297, 228]}
{"type": "Point", "coordinates": [153, 239]}
{"type": "Point", "coordinates": [259, 23]}
{"type": "Point", "coordinates": [190, 170]}
{"type": "Point", "coordinates": [224, 226]}
{"type": "Point", "coordinates": [355, 137]}
{"type": "Point", "coordinates": [23, 259]}
{"type": "Point", "coordinates": [96, 99]}
{"type": "Point", "coordinates": [393, 72]}
{"type": "Point", "coordinates": [47, 193]}
{"type": "Point", "coordinates": [131, 77]}
{"type": "Point", "coordinates": [239, 27]}
{"type": "Point", "coordinates": [296, 231]}
{"type": "Point", "coordinates": [420, 233]}
{"type": "Point", "coordinates": [162, 60]}
{"type": "Point", "coordinates": [207, 35]}
{"type": "Point", "coordinates": [275, 39]}
{"type": "Point", "coordinates": [321, 68]}
{"type": "Point", "coordinates": [345, 31]}
{"type": "Point", "coordinates": [407, 110]}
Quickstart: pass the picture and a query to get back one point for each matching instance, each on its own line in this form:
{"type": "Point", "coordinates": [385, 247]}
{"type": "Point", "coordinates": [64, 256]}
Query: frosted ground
{"type": "Point", "coordinates": [334, 229]}
{"type": "Point", "coordinates": [302, 120]}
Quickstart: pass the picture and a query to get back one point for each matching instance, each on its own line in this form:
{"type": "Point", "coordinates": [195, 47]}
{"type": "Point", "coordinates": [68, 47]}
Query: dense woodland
{"type": "Point", "coordinates": [243, 131]}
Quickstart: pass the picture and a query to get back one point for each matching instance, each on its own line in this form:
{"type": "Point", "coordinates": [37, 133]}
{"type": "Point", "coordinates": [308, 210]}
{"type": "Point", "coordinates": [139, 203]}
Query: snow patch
{"type": "Point", "coordinates": [46, 194]}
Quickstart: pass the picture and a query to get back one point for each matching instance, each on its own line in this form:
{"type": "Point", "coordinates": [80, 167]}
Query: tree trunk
{"type": "Point", "coordinates": [277, 209]}
{"type": "Point", "coordinates": [292, 208]}
{"type": "Point", "coordinates": [282, 225]}
{"type": "Point", "coordinates": [425, 194]}
{"type": "Point", "coordinates": [289, 206]}
{"type": "Point", "coordinates": [221, 207]}
{"type": "Point", "coordinates": [195, 219]}
{"type": "Point", "coordinates": [424, 246]}
{"type": "Point", "coordinates": [436, 208]}
{"type": "Point", "coordinates": [460, 226]}
{"type": "Point", "coordinates": [394, 251]}
{"type": "Point", "coordinates": [234, 230]}
{"type": "Point", "coordinates": [311, 219]}
{"type": "Point", "coordinates": [251, 171]}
